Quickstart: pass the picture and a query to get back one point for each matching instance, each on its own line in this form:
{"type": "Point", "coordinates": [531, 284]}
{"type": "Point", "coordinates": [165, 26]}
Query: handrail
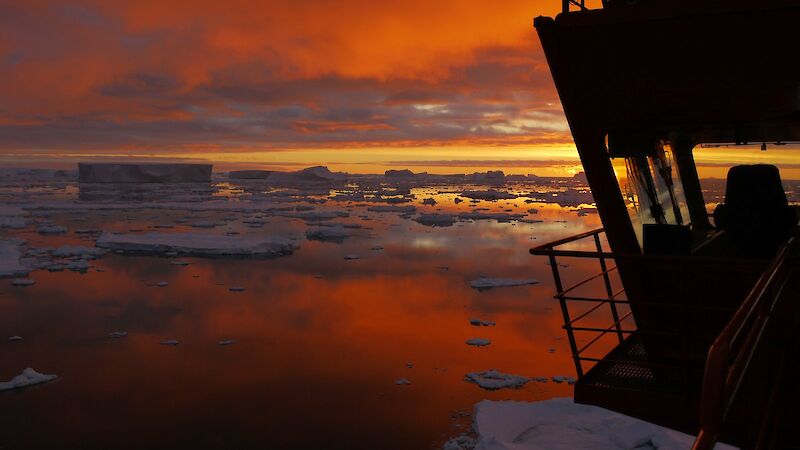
{"type": "Point", "coordinates": [723, 377]}
{"type": "Point", "coordinates": [610, 299]}
{"type": "Point", "coordinates": [565, 5]}
{"type": "Point", "coordinates": [542, 248]}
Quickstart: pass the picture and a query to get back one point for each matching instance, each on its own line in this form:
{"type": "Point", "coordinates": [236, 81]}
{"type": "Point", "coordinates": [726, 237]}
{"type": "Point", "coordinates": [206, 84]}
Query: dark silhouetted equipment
{"type": "Point", "coordinates": [695, 324]}
{"type": "Point", "coordinates": [756, 212]}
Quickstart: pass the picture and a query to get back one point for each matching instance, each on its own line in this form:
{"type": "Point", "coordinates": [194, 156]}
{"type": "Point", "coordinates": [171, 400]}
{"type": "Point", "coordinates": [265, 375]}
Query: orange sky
{"type": "Point", "coordinates": [202, 77]}
{"type": "Point", "coordinates": [445, 86]}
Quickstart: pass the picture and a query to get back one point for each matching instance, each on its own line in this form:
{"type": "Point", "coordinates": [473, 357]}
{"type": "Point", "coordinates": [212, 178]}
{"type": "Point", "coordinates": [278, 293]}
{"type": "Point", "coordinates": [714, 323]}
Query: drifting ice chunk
{"type": "Point", "coordinates": [224, 342]}
{"type": "Point", "coordinates": [493, 380]}
{"type": "Point", "coordinates": [402, 382]}
{"type": "Point", "coordinates": [15, 338]}
{"type": "Point", "coordinates": [436, 220]}
{"type": "Point", "coordinates": [393, 209]}
{"type": "Point", "coordinates": [28, 377]}
{"type": "Point", "coordinates": [51, 229]}
{"type": "Point", "coordinates": [118, 334]}
{"type": "Point", "coordinates": [489, 283]}
{"type": "Point", "coordinates": [66, 251]}
{"type": "Point", "coordinates": [351, 257]}
{"type": "Point", "coordinates": [197, 244]}
{"type": "Point", "coordinates": [172, 342]}
{"type": "Point", "coordinates": [23, 282]}
{"type": "Point", "coordinates": [143, 173]}
{"type": "Point", "coordinates": [489, 195]}
{"type": "Point", "coordinates": [9, 259]}
{"type": "Point", "coordinates": [329, 234]}
{"type": "Point", "coordinates": [460, 443]}
{"type": "Point", "coordinates": [563, 379]}
{"type": "Point", "coordinates": [561, 424]}
{"type": "Point", "coordinates": [481, 323]}
{"type": "Point", "coordinates": [478, 342]}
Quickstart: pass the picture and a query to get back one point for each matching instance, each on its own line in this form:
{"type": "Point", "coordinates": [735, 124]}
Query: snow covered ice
{"type": "Point", "coordinates": [561, 424]}
{"type": "Point", "coordinates": [28, 377]}
{"type": "Point", "coordinates": [493, 380]}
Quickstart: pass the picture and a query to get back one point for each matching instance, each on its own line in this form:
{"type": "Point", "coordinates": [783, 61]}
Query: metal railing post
{"type": "Point", "coordinates": [565, 312]}
{"type": "Point", "coordinates": [609, 291]}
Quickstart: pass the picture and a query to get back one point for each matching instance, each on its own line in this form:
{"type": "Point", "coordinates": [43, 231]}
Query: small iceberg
{"type": "Point", "coordinates": [478, 342]}
{"type": "Point", "coordinates": [492, 380]}
{"type": "Point", "coordinates": [28, 377]}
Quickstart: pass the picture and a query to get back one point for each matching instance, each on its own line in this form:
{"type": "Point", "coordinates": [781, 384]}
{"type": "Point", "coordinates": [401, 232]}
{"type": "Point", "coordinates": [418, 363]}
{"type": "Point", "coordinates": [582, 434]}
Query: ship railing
{"type": "Point", "coordinates": [740, 352]}
{"type": "Point", "coordinates": [567, 4]}
{"type": "Point", "coordinates": [612, 298]}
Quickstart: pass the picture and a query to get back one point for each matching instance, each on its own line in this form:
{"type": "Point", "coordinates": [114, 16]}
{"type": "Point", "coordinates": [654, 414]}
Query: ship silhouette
{"type": "Point", "coordinates": [703, 307]}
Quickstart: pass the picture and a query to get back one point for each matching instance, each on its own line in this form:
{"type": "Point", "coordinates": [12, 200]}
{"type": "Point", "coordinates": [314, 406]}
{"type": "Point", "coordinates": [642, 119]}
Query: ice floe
{"type": "Point", "coordinates": [10, 253]}
{"type": "Point", "coordinates": [336, 233]}
{"type": "Point", "coordinates": [23, 282]}
{"type": "Point", "coordinates": [402, 382]}
{"type": "Point", "coordinates": [172, 342]}
{"type": "Point", "coordinates": [225, 342]}
{"type": "Point", "coordinates": [489, 195]}
{"type": "Point", "coordinates": [489, 283]}
{"type": "Point", "coordinates": [51, 229]}
{"type": "Point", "coordinates": [197, 244]}
{"type": "Point", "coordinates": [436, 220]}
{"type": "Point", "coordinates": [478, 342]}
{"type": "Point", "coordinates": [481, 323]}
{"type": "Point", "coordinates": [493, 380]}
{"type": "Point", "coordinates": [118, 334]}
{"type": "Point", "coordinates": [393, 209]}
{"type": "Point", "coordinates": [28, 377]}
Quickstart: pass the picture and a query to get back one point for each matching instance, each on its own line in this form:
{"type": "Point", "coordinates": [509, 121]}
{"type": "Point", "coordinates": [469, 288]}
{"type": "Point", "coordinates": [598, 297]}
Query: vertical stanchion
{"type": "Point", "coordinates": [609, 291]}
{"type": "Point", "coordinates": [565, 313]}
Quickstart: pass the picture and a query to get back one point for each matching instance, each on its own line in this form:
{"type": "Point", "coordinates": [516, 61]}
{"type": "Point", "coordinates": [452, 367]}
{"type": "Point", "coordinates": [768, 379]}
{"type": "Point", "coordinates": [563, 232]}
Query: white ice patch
{"type": "Point", "coordinates": [197, 244]}
{"type": "Point", "coordinates": [393, 209]}
{"type": "Point", "coordinates": [336, 233]}
{"type": "Point", "coordinates": [478, 342]}
{"type": "Point", "coordinates": [12, 217]}
{"type": "Point", "coordinates": [23, 282]}
{"type": "Point", "coordinates": [10, 265]}
{"type": "Point", "coordinates": [561, 424]}
{"type": "Point", "coordinates": [28, 377]}
{"type": "Point", "coordinates": [489, 283]}
{"type": "Point", "coordinates": [493, 380]}
{"type": "Point", "coordinates": [68, 251]}
{"type": "Point", "coordinates": [436, 220]}
{"type": "Point", "coordinates": [48, 229]}
{"type": "Point", "coordinates": [489, 195]}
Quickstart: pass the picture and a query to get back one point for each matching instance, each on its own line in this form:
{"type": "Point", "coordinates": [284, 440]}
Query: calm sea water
{"type": "Point", "coordinates": [320, 340]}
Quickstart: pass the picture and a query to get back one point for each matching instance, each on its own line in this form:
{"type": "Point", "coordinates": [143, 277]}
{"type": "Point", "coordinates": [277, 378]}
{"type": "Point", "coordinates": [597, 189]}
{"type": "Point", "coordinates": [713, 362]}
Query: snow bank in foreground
{"type": "Point", "coordinates": [28, 377]}
{"type": "Point", "coordinates": [9, 259]}
{"type": "Point", "coordinates": [489, 283]}
{"type": "Point", "coordinates": [197, 244]}
{"type": "Point", "coordinates": [561, 424]}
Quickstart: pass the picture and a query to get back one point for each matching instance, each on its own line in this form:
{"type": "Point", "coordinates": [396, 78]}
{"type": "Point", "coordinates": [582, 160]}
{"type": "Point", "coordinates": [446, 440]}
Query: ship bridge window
{"type": "Point", "coordinates": [652, 189]}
